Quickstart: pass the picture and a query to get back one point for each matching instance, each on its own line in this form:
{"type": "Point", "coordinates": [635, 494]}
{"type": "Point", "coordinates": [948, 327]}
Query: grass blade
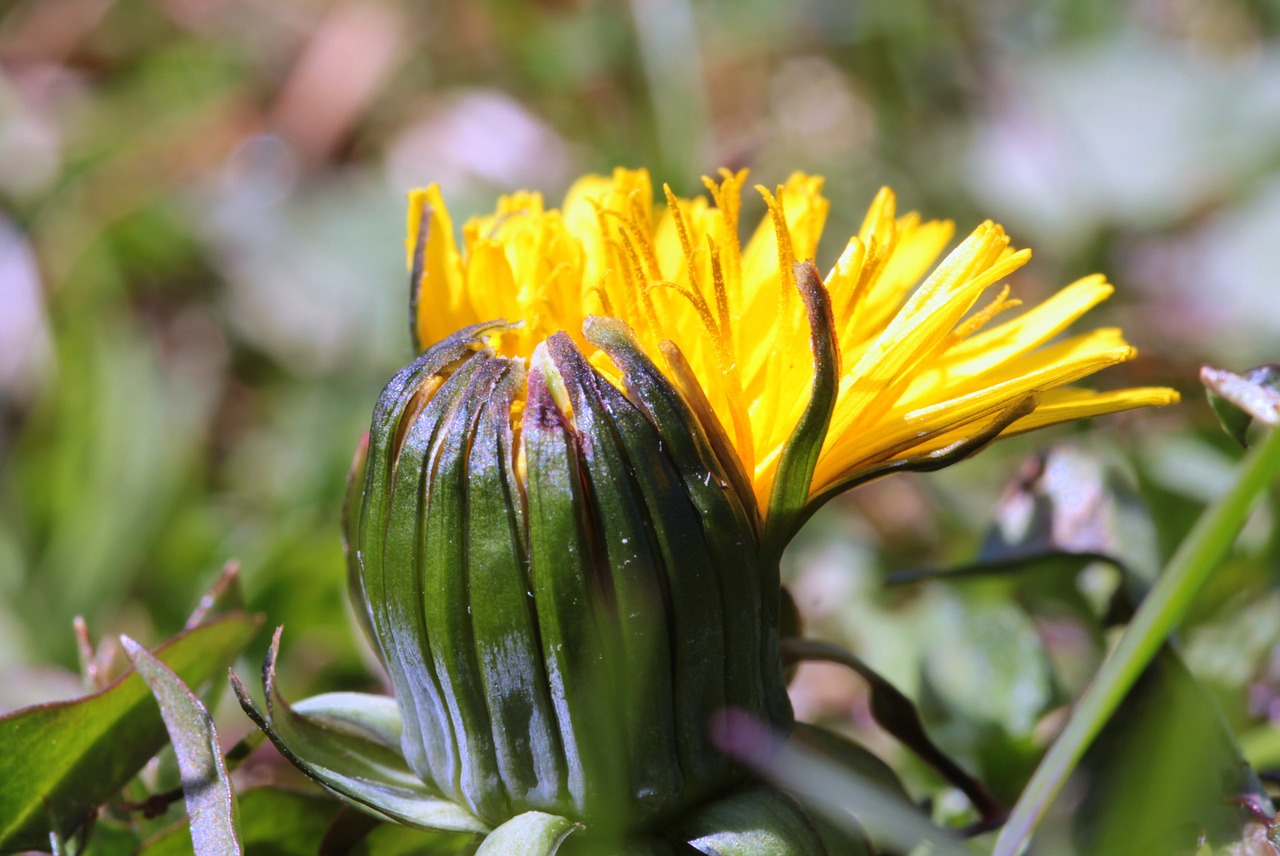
{"type": "Point", "coordinates": [1159, 614]}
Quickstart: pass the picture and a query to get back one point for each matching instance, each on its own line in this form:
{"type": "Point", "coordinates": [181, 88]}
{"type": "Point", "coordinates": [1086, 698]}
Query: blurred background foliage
{"type": "Point", "coordinates": [202, 291]}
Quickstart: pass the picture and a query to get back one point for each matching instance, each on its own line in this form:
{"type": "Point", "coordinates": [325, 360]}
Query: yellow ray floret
{"type": "Point", "coordinates": [924, 358]}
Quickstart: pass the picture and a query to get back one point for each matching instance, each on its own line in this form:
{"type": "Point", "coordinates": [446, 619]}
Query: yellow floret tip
{"type": "Point", "coordinates": [926, 354]}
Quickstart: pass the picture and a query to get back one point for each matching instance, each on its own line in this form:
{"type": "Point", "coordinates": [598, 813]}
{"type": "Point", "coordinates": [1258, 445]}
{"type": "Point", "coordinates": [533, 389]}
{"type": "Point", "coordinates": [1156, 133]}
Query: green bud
{"type": "Point", "coordinates": [563, 579]}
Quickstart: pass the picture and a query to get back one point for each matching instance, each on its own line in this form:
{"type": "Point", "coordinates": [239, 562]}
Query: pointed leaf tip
{"type": "Point", "coordinates": [206, 786]}
{"type": "Point", "coordinates": [59, 761]}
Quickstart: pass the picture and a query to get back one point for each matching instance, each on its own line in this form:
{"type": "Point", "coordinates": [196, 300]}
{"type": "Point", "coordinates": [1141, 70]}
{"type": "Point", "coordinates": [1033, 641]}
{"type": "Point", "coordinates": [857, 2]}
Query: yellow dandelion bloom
{"type": "Point", "coordinates": [922, 361]}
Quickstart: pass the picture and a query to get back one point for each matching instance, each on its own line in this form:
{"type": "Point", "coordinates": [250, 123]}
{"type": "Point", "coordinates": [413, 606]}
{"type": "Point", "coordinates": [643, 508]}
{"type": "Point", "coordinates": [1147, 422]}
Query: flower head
{"type": "Point", "coordinates": [564, 531]}
{"type": "Point", "coordinates": [923, 360]}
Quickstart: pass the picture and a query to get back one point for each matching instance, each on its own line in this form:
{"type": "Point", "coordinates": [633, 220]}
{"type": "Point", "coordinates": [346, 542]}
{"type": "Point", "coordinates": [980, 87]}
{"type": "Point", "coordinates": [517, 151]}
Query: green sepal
{"type": "Point", "coordinates": [729, 521]}
{"type": "Point", "coordinates": [534, 833]}
{"type": "Point", "coordinates": [572, 602]}
{"type": "Point", "coordinates": [758, 821]}
{"type": "Point", "coordinates": [685, 379]}
{"type": "Point", "coordinates": [441, 723]}
{"type": "Point", "coordinates": [396, 396]}
{"type": "Point", "coordinates": [415, 276]}
{"type": "Point", "coordinates": [794, 475]}
{"type": "Point", "coordinates": [689, 572]}
{"type": "Point", "coordinates": [687, 431]}
{"type": "Point", "coordinates": [439, 589]}
{"type": "Point", "coordinates": [59, 761]}
{"type": "Point", "coordinates": [351, 540]}
{"type": "Point", "coordinates": [1239, 399]}
{"type": "Point", "coordinates": [636, 580]}
{"type": "Point", "coordinates": [349, 744]}
{"type": "Point", "coordinates": [508, 655]}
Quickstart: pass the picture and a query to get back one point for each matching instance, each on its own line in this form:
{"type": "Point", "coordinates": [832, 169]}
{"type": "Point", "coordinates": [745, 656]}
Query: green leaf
{"type": "Point", "coordinates": [116, 838]}
{"type": "Point", "coordinates": [1239, 399]}
{"type": "Point", "coordinates": [823, 786]}
{"type": "Point", "coordinates": [211, 802]}
{"type": "Point", "coordinates": [758, 821]}
{"type": "Point", "coordinates": [225, 595]}
{"type": "Point", "coordinates": [349, 744]}
{"type": "Point", "coordinates": [1065, 509]}
{"type": "Point", "coordinates": [896, 714]}
{"type": "Point", "coordinates": [1164, 773]}
{"type": "Point", "coordinates": [389, 840]}
{"type": "Point", "coordinates": [1160, 612]}
{"type": "Point", "coordinates": [273, 822]}
{"type": "Point", "coordinates": [534, 833]}
{"type": "Point", "coordinates": [852, 756]}
{"type": "Point", "coordinates": [987, 664]}
{"type": "Point", "coordinates": [800, 456]}
{"type": "Point", "coordinates": [58, 761]}
{"type": "Point", "coordinates": [276, 822]}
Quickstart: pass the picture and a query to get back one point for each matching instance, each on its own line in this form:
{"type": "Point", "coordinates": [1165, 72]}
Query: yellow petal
{"type": "Point", "coordinates": [919, 369]}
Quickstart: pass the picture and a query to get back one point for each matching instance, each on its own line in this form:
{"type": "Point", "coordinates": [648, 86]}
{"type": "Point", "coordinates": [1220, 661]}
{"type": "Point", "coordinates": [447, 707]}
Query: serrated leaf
{"type": "Point", "coordinates": [534, 833]}
{"type": "Point", "coordinates": [349, 744]}
{"type": "Point", "coordinates": [206, 787]}
{"type": "Point", "coordinates": [58, 761]}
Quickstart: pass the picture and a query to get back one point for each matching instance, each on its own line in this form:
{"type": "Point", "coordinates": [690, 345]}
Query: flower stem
{"type": "Point", "coordinates": [1158, 615]}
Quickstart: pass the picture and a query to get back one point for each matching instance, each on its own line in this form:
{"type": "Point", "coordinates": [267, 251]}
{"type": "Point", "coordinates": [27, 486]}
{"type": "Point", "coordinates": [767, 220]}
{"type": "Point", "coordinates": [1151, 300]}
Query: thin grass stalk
{"type": "Point", "coordinates": [1158, 615]}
